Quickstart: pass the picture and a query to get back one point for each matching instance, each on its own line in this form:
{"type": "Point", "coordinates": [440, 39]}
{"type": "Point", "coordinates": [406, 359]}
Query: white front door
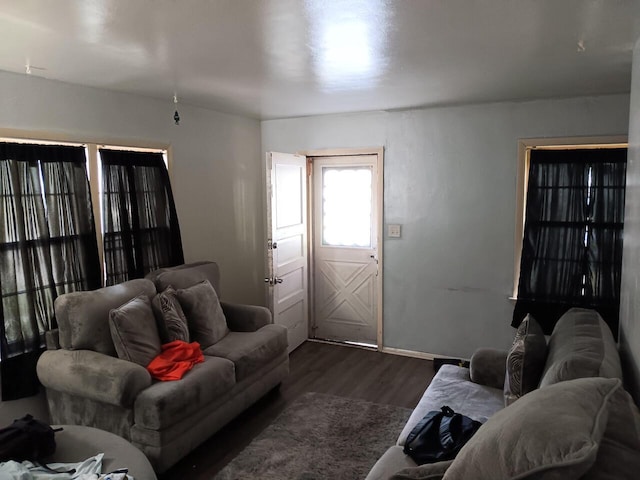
{"type": "Point", "coordinates": [287, 245]}
{"type": "Point", "coordinates": [345, 250]}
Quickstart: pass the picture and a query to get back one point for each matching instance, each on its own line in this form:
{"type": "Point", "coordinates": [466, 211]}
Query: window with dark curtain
{"type": "Point", "coordinates": [572, 244]}
{"type": "Point", "coordinates": [141, 231]}
{"type": "Point", "coordinates": [48, 247]}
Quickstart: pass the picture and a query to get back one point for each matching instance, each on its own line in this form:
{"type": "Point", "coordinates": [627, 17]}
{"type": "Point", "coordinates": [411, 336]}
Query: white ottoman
{"type": "Point", "coordinates": [76, 443]}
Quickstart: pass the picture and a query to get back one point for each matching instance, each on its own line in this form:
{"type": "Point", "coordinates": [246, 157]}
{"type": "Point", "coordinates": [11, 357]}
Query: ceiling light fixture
{"type": "Point", "coordinates": [176, 115]}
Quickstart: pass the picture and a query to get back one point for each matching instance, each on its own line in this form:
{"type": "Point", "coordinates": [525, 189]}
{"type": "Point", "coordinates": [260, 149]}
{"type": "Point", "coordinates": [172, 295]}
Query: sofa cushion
{"type": "Point", "coordinates": [392, 461]}
{"type": "Point", "coordinates": [134, 331]}
{"type": "Point", "coordinates": [429, 471]}
{"type": "Point", "coordinates": [166, 403]}
{"type": "Point", "coordinates": [83, 317]}
{"type": "Point", "coordinates": [581, 345]}
{"type": "Point", "coordinates": [452, 386]}
{"type": "Point", "coordinates": [207, 324]}
{"type": "Point", "coordinates": [551, 433]}
{"type": "Point", "coordinates": [619, 453]}
{"type": "Point", "coordinates": [172, 323]}
{"type": "Point", "coordinates": [251, 350]}
{"type": "Point", "coordinates": [525, 360]}
{"type": "Point", "coordinates": [187, 275]}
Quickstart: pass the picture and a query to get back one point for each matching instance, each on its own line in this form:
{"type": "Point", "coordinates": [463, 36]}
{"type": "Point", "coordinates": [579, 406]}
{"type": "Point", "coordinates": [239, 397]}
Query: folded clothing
{"type": "Point", "coordinates": [88, 469]}
{"type": "Point", "coordinates": [176, 359]}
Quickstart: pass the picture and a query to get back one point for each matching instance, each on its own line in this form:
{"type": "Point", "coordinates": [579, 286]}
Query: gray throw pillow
{"type": "Point", "coordinates": [206, 320]}
{"type": "Point", "coordinates": [525, 360]}
{"type": "Point", "coordinates": [134, 331]}
{"type": "Point", "coordinates": [551, 433]}
{"type": "Point", "coordinates": [172, 323]}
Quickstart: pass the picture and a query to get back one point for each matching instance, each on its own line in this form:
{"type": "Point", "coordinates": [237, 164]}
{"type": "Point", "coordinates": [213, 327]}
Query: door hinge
{"type": "Point", "coordinates": [309, 167]}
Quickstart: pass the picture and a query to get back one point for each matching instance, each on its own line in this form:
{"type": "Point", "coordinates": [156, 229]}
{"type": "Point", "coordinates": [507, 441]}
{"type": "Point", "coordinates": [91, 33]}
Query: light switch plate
{"type": "Point", "coordinates": [393, 230]}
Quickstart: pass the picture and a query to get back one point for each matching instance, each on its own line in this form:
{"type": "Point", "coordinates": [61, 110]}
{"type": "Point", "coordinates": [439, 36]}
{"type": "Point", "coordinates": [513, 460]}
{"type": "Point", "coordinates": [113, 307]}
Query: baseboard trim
{"type": "Point", "coordinates": [410, 353]}
{"type": "Point", "coordinates": [343, 344]}
{"type": "Point", "coordinates": [391, 351]}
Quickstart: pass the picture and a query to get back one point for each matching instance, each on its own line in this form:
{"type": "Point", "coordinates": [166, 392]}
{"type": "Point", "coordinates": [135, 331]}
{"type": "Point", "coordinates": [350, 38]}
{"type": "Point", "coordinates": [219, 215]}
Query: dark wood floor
{"type": "Point", "coordinates": [314, 367]}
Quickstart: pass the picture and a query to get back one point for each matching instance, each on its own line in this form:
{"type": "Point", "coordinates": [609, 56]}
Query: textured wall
{"type": "Point", "coordinates": [630, 294]}
{"type": "Point", "coordinates": [216, 174]}
{"type": "Point", "coordinates": [450, 180]}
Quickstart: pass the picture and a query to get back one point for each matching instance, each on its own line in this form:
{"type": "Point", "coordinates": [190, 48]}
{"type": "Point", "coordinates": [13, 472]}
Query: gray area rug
{"type": "Point", "coordinates": [317, 437]}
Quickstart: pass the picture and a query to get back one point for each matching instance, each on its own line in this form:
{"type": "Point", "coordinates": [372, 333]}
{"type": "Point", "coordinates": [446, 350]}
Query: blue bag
{"type": "Point", "coordinates": [439, 436]}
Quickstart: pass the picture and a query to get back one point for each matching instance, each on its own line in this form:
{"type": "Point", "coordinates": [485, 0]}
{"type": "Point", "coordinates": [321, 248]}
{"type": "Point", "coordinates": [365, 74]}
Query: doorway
{"type": "Point", "coordinates": [324, 221]}
{"type": "Point", "coordinates": [345, 248]}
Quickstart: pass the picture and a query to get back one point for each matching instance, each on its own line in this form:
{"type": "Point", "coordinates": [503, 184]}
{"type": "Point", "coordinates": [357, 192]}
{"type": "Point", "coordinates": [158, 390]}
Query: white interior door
{"type": "Point", "coordinates": [287, 246]}
{"type": "Point", "coordinates": [345, 250]}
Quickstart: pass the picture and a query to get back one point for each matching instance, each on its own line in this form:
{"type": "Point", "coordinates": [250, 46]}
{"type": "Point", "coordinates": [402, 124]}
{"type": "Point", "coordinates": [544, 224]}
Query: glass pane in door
{"type": "Point", "coordinates": [288, 187]}
{"type": "Point", "coordinates": [346, 206]}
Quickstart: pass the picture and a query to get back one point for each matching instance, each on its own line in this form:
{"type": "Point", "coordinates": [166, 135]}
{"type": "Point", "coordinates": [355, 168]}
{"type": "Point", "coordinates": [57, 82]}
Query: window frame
{"type": "Point", "coordinates": [525, 146]}
{"type": "Point", "coordinates": [94, 174]}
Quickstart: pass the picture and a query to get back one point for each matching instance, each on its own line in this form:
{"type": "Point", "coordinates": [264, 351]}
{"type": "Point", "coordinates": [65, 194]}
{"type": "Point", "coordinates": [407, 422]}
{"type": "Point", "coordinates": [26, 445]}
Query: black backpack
{"type": "Point", "coordinates": [27, 439]}
{"type": "Point", "coordinates": [439, 436]}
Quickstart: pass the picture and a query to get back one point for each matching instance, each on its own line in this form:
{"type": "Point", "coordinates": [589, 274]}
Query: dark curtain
{"type": "Point", "coordinates": [572, 244]}
{"type": "Point", "coordinates": [141, 231]}
{"type": "Point", "coordinates": [48, 247]}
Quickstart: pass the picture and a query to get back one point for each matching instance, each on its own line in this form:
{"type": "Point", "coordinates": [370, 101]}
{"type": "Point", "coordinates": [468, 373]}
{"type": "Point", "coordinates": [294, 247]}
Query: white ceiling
{"type": "Point", "coordinates": [283, 58]}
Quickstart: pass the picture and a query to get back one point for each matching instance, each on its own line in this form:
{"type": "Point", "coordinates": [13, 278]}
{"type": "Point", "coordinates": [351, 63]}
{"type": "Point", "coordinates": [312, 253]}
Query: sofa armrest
{"type": "Point", "coordinates": [488, 367]}
{"type": "Point", "coordinates": [245, 318]}
{"type": "Point", "coordinates": [93, 375]}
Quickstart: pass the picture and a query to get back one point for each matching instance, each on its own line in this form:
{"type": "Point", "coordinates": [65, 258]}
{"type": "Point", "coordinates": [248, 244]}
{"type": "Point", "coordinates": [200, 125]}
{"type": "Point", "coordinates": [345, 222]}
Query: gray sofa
{"type": "Point", "coordinates": [87, 384]}
{"type": "Point", "coordinates": [578, 423]}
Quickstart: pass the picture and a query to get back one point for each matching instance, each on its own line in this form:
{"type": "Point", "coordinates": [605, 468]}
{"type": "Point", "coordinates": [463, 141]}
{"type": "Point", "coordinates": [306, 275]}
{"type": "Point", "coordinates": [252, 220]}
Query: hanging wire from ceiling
{"type": "Point", "coordinates": [176, 115]}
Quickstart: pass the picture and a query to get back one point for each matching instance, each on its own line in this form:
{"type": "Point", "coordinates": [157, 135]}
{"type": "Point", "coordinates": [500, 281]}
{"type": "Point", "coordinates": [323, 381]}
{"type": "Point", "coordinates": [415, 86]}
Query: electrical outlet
{"type": "Point", "coordinates": [393, 231]}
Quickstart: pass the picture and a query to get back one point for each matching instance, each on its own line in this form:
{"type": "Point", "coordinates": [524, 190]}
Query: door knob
{"type": "Point", "coordinates": [277, 280]}
{"type": "Point", "coordinates": [271, 245]}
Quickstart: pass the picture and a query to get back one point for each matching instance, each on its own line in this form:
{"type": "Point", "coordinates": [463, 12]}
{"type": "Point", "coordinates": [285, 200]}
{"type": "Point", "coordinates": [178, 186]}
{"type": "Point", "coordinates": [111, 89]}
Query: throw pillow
{"type": "Point", "coordinates": [525, 360]}
{"type": "Point", "coordinates": [134, 331]}
{"type": "Point", "coordinates": [206, 320]}
{"type": "Point", "coordinates": [83, 317]}
{"type": "Point", "coordinates": [172, 323]}
{"type": "Point", "coordinates": [552, 433]}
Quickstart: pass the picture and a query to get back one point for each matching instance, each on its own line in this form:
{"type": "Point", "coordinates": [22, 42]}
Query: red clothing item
{"type": "Point", "coordinates": [176, 359]}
